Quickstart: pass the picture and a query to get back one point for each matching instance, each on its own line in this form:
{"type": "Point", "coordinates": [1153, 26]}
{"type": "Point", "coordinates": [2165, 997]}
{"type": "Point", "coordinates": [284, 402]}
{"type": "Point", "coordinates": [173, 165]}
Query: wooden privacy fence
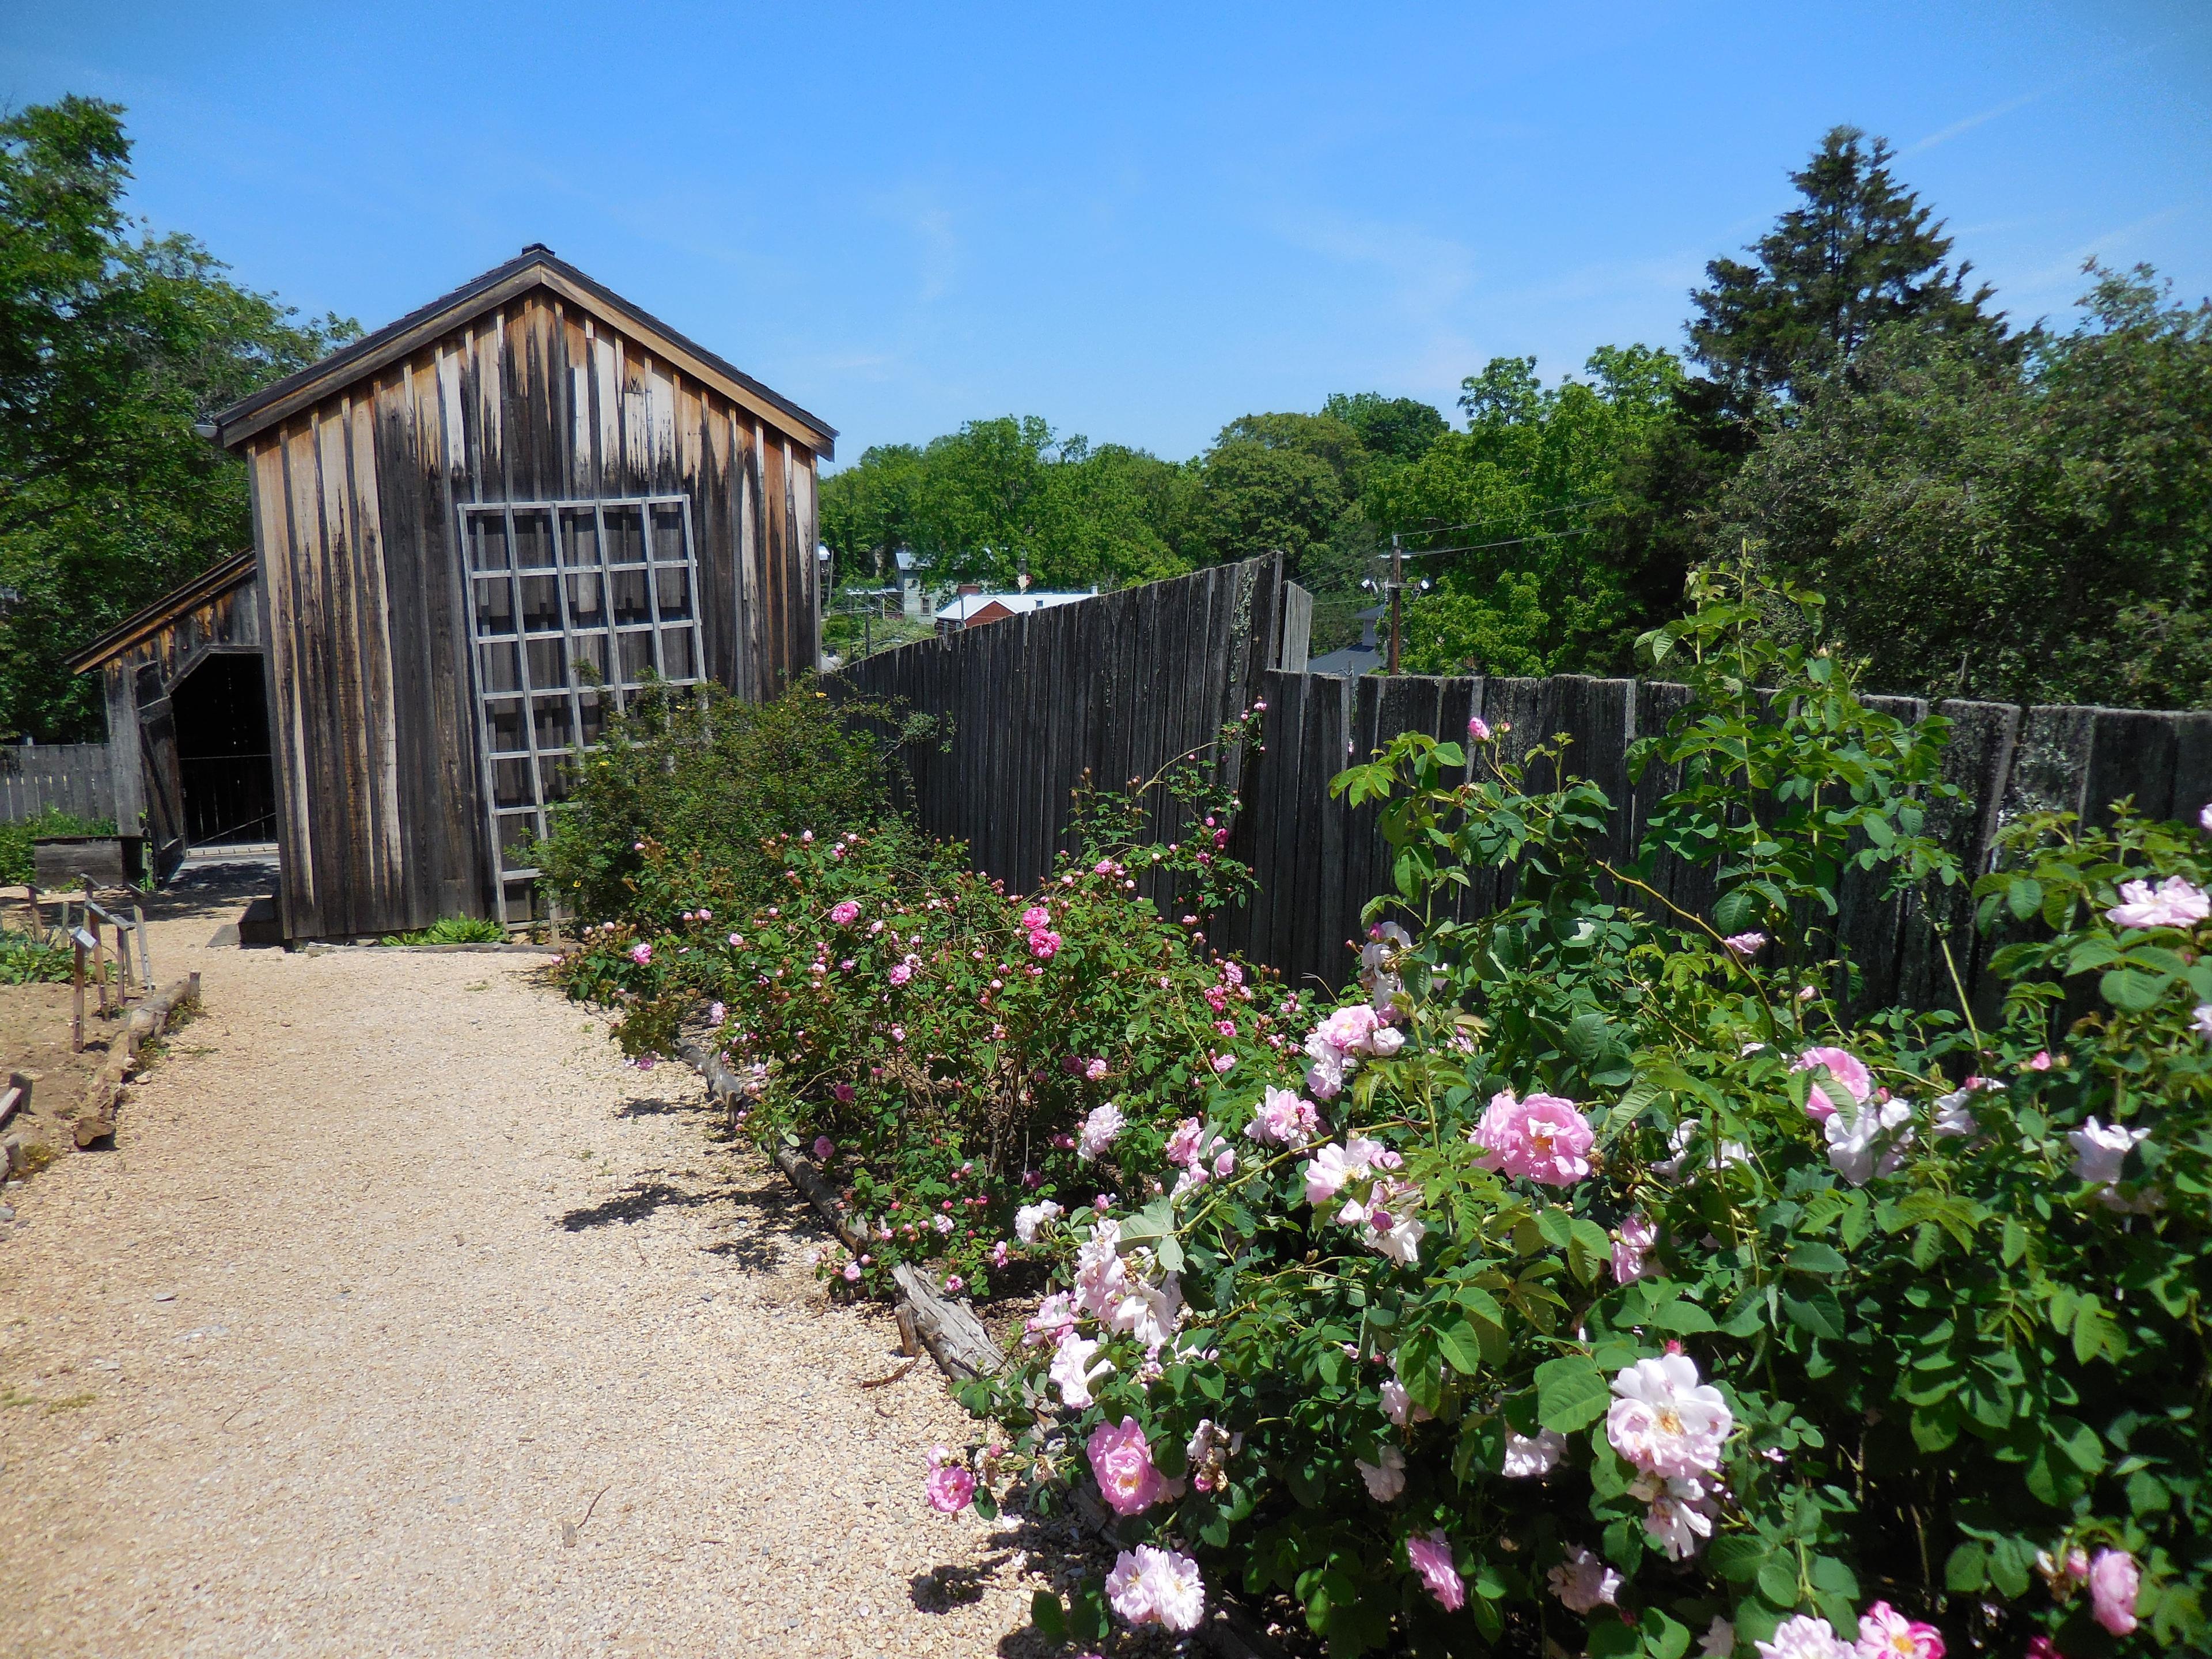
{"type": "Point", "coordinates": [1123, 683]}
{"type": "Point", "coordinates": [1318, 861]}
{"type": "Point", "coordinates": [1117, 685]}
{"type": "Point", "coordinates": [71, 776]}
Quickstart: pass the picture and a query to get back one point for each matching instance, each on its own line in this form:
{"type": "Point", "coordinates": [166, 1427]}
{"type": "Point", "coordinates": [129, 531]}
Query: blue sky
{"type": "Point", "coordinates": [1139, 223]}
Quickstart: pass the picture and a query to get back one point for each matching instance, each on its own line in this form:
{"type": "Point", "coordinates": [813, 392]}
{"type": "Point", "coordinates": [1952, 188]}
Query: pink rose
{"type": "Point", "coordinates": [1036, 916]}
{"type": "Point", "coordinates": [1632, 1241]}
{"type": "Point", "coordinates": [844, 913]}
{"type": "Point", "coordinates": [1845, 1069]}
{"type": "Point", "coordinates": [1432, 1557]}
{"type": "Point", "coordinates": [949, 1488]}
{"type": "Point", "coordinates": [852, 1273]}
{"type": "Point", "coordinates": [1122, 1462]}
{"type": "Point", "coordinates": [1044, 945]}
{"type": "Point", "coordinates": [2114, 1578]}
{"type": "Point", "coordinates": [1095, 1071]}
{"type": "Point", "coordinates": [824, 1148]}
{"type": "Point", "coordinates": [641, 953]}
{"type": "Point", "coordinates": [1543, 1138]}
{"type": "Point", "coordinates": [1479, 729]}
{"type": "Point", "coordinates": [1886, 1633]}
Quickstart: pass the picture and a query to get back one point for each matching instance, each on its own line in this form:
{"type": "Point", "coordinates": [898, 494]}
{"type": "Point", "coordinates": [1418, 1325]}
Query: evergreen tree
{"type": "Point", "coordinates": [1859, 251]}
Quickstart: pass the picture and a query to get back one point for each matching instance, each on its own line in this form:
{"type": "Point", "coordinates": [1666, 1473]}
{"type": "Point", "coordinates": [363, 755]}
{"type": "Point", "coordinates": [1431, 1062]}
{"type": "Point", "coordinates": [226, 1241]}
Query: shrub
{"type": "Point", "coordinates": [1629, 1300]}
{"type": "Point", "coordinates": [964, 1053]}
{"type": "Point", "coordinates": [700, 772]}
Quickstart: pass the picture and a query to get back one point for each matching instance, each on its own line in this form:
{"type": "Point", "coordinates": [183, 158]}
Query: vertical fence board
{"type": "Point", "coordinates": [67, 777]}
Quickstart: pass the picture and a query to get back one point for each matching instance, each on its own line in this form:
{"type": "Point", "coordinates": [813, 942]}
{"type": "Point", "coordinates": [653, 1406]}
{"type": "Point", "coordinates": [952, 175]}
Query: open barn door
{"type": "Point", "coordinates": [157, 753]}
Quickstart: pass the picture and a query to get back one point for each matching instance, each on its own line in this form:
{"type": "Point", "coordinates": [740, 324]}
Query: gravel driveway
{"type": "Point", "coordinates": [392, 1271]}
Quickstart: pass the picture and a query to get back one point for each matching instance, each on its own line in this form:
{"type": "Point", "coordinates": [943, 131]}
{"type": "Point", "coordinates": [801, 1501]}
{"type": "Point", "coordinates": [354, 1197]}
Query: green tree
{"type": "Point", "coordinates": [1508, 513]}
{"type": "Point", "coordinates": [2033, 533]}
{"type": "Point", "coordinates": [1859, 252]}
{"type": "Point", "coordinates": [868, 510]}
{"type": "Point", "coordinates": [1390, 430]}
{"type": "Point", "coordinates": [1256, 497]}
{"type": "Point", "coordinates": [112, 343]}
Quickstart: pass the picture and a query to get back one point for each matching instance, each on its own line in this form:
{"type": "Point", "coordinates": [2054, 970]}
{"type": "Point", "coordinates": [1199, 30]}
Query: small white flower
{"type": "Point", "coordinates": [1385, 1480]}
{"type": "Point", "coordinates": [1530, 1458]}
{"type": "Point", "coordinates": [1583, 1581]}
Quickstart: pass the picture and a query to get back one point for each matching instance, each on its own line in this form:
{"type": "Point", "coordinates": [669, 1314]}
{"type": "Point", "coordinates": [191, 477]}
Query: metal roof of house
{"type": "Point", "coordinates": [968, 604]}
{"type": "Point", "coordinates": [535, 266]}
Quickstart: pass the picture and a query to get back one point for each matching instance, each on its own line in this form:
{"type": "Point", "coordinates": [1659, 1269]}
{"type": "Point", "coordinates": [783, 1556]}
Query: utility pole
{"type": "Point", "coordinates": [1396, 585]}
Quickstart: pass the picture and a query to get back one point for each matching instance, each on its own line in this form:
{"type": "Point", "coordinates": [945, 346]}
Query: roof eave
{"type": "Point", "coordinates": [210, 584]}
{"type": "Point", "coordinates": [495, 288]}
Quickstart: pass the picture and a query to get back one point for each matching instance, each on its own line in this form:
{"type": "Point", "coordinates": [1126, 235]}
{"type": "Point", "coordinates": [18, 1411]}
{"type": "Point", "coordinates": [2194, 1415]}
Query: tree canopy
{"type": "Point", "coordinates": [113, 341]}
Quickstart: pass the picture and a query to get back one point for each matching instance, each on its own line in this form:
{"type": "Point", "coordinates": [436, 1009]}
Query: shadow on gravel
{"type": "Point", "coordinates": [651, 1106]}
{"type": "Point", "coordinates": [635, 1205]}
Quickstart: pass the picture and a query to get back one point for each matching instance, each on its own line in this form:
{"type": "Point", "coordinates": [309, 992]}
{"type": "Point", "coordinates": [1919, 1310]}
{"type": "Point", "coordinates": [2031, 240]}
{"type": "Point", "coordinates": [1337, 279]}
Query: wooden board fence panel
{"type": "Point", "coordinates": [76, 778]}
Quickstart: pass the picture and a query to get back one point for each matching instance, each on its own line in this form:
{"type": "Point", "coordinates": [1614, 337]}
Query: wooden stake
{"type": "Point", "coordinates": [76, 1016]}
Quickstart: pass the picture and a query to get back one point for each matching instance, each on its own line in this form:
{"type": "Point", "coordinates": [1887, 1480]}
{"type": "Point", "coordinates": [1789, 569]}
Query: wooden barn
{"type": "Point", "coordinates": [477, 530]}
{"type": "Point", "coordinates": [188, 716]}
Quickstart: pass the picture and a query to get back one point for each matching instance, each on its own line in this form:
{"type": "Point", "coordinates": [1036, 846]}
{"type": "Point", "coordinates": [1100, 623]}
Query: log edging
{"type": "Point", "coordinates": [95, 1118]}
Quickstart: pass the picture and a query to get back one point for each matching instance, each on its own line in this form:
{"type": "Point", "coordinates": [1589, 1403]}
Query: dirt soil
{"type": "Point", "coordinates": [402, 1318]}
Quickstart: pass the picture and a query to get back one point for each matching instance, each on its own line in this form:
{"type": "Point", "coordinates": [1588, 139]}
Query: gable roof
{"type": "Point", "coordinates": [210, 584]}
{"type": "Point", "coordinates": [534, 267]}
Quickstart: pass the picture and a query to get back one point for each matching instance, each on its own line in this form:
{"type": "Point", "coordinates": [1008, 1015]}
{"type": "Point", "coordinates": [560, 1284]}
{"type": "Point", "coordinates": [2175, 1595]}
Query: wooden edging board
{"type": "Point", "coordinates": [480, 947]}
{"type": "Point", "coordinates": [963, 1348]}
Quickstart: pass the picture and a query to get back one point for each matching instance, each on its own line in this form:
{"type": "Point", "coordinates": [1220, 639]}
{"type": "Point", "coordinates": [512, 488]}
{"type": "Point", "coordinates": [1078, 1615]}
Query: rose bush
{"type": "Point", "coordinates": [1594, 1284]}
{"type": "Point", "coordinates": [976, 1064]}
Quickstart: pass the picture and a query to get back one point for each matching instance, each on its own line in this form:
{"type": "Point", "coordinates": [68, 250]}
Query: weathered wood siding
{"type": "Point", "coordinates": [137, 683]}
{"type": "Point", "coordinates": [380, 820]}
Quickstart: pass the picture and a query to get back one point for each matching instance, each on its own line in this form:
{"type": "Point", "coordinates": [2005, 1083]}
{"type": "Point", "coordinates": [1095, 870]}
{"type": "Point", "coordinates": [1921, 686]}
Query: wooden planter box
{"type": "Point", "coordinates": [109, 860]}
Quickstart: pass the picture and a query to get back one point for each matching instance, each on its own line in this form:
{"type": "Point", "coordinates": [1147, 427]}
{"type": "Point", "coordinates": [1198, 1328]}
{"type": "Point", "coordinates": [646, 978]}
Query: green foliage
{"type": "Point", "coordinates": [34, 959]}
{"type": "Point", "coordinates": [18, 863]}
{"type": "Point", "coordinates": [712, 778]}
{"type": "Point", "coordinates": [1525, 492]}
{"type": "Point", "coordinates": [112, 345]}
{"type": "Point", "coordinates": [948, 1038]}
{"type": "Point", "coordinates": [1953, 1348]}
{"type": "Point", "coordinates": [451, 930]}
{"type": "Point", "coordinates": [1390, 430]}
{"type": "Point", "coordinates": [2032, 532]}
{"type": "Point", "coordinates": [1261, 494]}
{"type": "Point", "coordinates": [975, 504]}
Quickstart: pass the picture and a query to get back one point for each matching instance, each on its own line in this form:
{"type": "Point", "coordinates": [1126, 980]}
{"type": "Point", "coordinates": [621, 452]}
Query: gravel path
{"type": "Point", "coordinates": [392, 1271]}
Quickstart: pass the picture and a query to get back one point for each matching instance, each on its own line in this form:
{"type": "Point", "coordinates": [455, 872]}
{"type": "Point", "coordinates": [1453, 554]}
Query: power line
{"type": "Point", "coordinates": [1511, 541]}
{"type": "Point", "coordinates": [1541, 512]}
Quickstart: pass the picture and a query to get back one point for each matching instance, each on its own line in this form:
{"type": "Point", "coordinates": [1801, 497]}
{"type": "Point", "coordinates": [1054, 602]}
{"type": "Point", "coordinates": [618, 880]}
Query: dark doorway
{"type": "Point", "coordinates": [223, 751]}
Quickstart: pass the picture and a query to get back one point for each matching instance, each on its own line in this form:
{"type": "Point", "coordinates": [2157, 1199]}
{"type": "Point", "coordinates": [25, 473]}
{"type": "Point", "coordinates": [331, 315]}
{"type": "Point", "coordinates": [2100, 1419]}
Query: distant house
{"type": "Point", "coordinates": [972, 607]}
{"type": "Point", "coordinates": [1364, 658]}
